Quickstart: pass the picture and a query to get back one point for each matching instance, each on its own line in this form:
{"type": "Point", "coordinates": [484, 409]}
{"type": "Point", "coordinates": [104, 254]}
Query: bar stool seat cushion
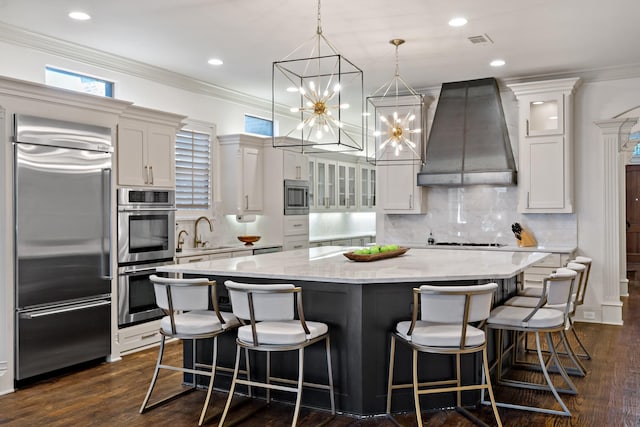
{"type": "Point", "coordinates": [198, 322]}
{"type": "Point", "coordinates": [508, 315]}
{"type": "Point", "coordinates": [531, 291]}
{"type": "Point", "coordinates": [440, 335]}
{"type": "Point", "coordinates": [531, 302]}
{"type": "Point", "coordinates": [282, 332]}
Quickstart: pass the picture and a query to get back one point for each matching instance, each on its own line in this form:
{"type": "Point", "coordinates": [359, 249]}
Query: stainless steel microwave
{"type": "Point", "coordinates": [296, 197]}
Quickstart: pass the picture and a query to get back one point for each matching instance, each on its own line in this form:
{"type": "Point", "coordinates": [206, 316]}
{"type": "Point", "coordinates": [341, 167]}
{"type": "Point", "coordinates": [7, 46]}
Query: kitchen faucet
{"type": "Point", "coordinates": [196, 238]}
{"type": "Point", "coordinates": [181, 240]}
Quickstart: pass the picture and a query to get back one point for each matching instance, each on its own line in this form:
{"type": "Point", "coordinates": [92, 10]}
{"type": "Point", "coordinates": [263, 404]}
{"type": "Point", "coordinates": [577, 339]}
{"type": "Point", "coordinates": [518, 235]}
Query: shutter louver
{"type": "Point", "coordinates": [193, 171]}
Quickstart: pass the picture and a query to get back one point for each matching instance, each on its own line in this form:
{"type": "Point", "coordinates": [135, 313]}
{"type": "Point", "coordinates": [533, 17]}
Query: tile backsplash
{"type": "Point", "coordinates": [481, 214]}
{"type": "Point", "coordinates": [225, 229]}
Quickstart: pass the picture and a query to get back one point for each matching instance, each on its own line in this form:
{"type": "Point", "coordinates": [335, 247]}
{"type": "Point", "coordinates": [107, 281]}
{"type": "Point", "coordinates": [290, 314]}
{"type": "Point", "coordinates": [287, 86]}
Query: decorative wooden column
{"type": "Point", "coordinates": [615, 136]}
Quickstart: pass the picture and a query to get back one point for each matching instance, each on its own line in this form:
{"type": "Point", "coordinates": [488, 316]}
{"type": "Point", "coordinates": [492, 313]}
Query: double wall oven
{"type": "Point", "coordinates": [146, 240]}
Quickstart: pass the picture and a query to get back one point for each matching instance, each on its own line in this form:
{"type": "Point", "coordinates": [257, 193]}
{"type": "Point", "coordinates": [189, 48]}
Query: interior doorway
{"type": "Point", "coordinates": [632, 175]}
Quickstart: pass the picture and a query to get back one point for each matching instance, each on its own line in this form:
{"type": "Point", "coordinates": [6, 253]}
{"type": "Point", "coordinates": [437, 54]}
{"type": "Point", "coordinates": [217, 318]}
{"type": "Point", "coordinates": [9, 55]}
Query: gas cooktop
{"type": "Point", "coordinates": [494, 245]}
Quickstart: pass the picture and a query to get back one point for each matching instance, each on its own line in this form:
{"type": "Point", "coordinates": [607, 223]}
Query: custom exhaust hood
{"type": "Point", "coordinates": [469, 143]}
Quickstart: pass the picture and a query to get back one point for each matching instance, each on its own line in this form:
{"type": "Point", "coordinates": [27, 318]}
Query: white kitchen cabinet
{"type": "Point", "coordinates": [545, 176]}
{"type": "Point", "coordinates": [312, 183]}
{"type": "Point", "coordinates": [326, 189]}
{"type": "Point", "coordinates": [295, 225]}
{"type": "Point", "coordinates": [138, 337]}
{"type": "Point", "coordinates": [204, 257]}
{"type": "Point", "coordinates": [296, 166]}
{"type": "Point", "coordinates": [361, 241]}
{"type": "Point", "coordinates": [146, 148]}
{"type": "Point", "coordinates": [295, 242]}
{"type": "Point", "coordinates": [399, 192]}
{"type": "Point", "coordinates": [346, 186]}
{"type": "Point", "coordinates": [296, 232]}
{"type": "Point", "coordinates": [242, 175]}
{"type": "Point", "coordinates": [534, 275]}
{"type": "Point", "coordinates": [367, 187]}
{"type": "Point", "coordinates": [246, 252]}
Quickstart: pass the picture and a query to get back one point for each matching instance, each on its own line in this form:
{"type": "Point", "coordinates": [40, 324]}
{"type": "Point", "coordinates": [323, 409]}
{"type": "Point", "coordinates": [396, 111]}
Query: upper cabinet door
{"type": "Point", "coordinates": [161, 156]}
{"type": "Point", "coordinates": [544, 114]}
{"type": "Point", "coordinates": [252, 179]}
{"type": "Point", "coordinates": [296, 166]}
{"type": "Point", "coordinates": [131, 154]}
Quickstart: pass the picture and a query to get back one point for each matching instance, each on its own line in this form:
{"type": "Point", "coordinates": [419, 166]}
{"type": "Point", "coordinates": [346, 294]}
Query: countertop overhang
{"type": "Point", "coordinates": [328, 264]}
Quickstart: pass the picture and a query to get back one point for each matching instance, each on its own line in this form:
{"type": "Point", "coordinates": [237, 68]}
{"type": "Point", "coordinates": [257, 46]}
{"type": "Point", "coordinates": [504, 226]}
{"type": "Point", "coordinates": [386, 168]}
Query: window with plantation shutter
{"type": "Point", "coordinates": [193, 170]}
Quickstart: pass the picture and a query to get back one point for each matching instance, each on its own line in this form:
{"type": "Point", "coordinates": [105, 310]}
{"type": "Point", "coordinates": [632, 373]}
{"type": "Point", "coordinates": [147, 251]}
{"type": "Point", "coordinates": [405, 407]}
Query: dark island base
{"type": "Point", "coordinates": [360, 318]}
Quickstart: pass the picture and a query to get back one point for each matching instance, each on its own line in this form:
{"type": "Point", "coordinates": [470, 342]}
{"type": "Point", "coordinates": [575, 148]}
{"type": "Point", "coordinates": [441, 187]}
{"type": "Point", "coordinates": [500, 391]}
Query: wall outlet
{"type": "Point", "coordinates": [589, 315]}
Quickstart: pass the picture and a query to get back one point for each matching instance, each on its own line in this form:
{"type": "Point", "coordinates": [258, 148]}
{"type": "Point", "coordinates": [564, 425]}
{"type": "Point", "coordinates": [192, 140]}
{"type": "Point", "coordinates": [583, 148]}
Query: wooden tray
{"type": "Point", "coordinates": [375, 257]}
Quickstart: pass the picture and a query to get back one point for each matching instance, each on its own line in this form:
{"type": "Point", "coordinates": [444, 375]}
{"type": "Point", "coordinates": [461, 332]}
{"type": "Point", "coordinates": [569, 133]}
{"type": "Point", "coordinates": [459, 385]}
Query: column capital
{"type": "Point", "coordinates": [620, 129]}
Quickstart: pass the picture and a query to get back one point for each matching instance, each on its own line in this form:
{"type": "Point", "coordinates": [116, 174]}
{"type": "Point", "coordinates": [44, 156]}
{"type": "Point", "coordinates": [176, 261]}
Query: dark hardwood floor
{"type": "Point", "coordinates": [110, 394]}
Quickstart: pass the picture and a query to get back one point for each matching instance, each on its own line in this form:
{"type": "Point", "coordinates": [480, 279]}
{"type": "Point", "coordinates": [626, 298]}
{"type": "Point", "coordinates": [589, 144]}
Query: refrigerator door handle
{"type": "Point", "coordinates": [106, 225]}
{"type": "Point", "coordinates": [54, 311]}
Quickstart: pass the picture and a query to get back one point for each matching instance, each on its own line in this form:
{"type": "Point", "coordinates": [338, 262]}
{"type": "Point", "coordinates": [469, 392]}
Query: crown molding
{"type": "Point", "coordinates": [77, 52]}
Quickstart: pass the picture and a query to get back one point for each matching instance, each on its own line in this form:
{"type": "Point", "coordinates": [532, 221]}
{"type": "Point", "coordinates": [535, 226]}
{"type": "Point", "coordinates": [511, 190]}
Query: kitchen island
{"type": "Point", "coordinates": [361, 302]}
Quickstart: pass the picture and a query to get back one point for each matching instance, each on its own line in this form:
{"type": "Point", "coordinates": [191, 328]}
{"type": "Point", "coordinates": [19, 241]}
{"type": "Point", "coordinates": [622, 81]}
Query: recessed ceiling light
{"type": "Point", "coordinates": [215, 61]}
{"type": "Point", "coordinates": [458, 22]}
{"type": "Point", "coordinates": [497, 63]}
{"type": "Point", "coordinates": [79, 16]}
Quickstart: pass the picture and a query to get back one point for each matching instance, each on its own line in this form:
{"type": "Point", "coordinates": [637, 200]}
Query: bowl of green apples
{"type": "Point", "coordinates": [376, 252]}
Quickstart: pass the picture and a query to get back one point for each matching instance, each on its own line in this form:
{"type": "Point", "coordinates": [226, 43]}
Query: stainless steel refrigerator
{"type": "Point", "coordinates": [62, 192]}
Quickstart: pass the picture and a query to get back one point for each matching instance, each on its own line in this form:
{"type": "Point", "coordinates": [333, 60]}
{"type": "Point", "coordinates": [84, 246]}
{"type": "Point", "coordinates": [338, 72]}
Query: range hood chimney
{"type": "Point", "coordinates": [469, 143]}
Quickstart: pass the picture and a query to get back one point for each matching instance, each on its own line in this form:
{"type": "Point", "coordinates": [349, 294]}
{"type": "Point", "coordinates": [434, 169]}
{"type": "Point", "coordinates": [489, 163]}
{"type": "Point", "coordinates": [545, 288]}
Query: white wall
{"type": "Point", "coordinates": [596, 101]}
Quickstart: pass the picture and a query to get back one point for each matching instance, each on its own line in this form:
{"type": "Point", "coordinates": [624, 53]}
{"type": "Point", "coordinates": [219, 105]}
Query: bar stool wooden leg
{"type": "Point", "coordinates": [299, 393]}
{"type": "Point", "coordinates": [487, 375]}
{"type": "Point", "coordinates": [232, 388]}
{"type": "Point", "coordinates": [416, 396]}
{"type": "Point", "coordinates": [330, 374]}
{"type": "Point", "coordinates": [391, 366]}
{"type": "Point", "coordinates": [214, 361]}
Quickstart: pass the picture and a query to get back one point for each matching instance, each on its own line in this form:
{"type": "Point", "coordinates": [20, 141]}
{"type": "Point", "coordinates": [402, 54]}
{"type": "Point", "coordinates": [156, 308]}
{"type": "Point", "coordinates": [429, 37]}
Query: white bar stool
{"type": "Point", "coordinates": [444, 328]}
{"type": "Point", "coordinates": [269, 309]}
{"type": "Point", "coordinates": [186, 302]}
{"type": "Point", "coordinates": [539, 321]}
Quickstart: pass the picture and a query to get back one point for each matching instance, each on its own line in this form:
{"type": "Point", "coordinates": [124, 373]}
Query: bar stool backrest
{"type": "Point", "coordinates": [181, 294]}
{"type": "Point", "coordinates": [586, 261]}
{"type": "Point", "coordinates": [448, 304]}
{"type": "Point", "coordinates": [269, 302]}
{"type": "Point", "coordinates": [561, 286]}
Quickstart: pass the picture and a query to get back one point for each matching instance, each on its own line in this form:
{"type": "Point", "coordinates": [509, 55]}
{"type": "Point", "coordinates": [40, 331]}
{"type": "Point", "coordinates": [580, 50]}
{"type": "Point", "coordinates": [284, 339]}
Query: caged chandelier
{"type": "Point", "coordinates": [325, 92]}
{"type": "Point", "coordinates": [398, 118]}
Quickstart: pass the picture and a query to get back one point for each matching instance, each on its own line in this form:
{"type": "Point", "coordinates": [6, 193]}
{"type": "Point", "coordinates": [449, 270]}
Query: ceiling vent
{"type": "Point", "coordinates": [483, 38]}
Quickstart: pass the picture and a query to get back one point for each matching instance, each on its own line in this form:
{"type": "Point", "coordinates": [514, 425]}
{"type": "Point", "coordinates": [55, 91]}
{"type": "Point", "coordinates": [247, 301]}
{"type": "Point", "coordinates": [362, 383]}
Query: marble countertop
{"type": "Point", "coordinates": [327, 264]}
{"type": "Point", "coordinates": [235, 247]}
{"type": "Point", "coordinates": [509, 248]}
{"type": "Point", "coordinates": [340, 236]}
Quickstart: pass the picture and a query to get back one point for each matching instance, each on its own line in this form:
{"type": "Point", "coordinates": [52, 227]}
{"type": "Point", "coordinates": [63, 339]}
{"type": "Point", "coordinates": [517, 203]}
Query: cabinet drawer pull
{"type": "Point", "coordinates": [144, 337]}
{"type": "Point", "coordinates": [297, 247]}
{"type": "Point", "coordinates": [195, 259]}
{"type": "Point", "coordinates": [246, 202]}
{"type": "Point", "coordinates": [527, 127]}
